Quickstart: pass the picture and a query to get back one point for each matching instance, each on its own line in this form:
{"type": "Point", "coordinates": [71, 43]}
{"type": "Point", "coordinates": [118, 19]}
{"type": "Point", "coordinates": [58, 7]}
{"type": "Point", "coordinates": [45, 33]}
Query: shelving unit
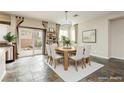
{"type": "Point", "coordinates": [51, 36]}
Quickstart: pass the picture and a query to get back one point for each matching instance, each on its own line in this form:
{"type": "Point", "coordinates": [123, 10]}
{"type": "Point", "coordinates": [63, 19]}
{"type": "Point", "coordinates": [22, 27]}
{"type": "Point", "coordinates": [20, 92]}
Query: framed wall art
{"type": "Point", "coordinates": [89, 36]}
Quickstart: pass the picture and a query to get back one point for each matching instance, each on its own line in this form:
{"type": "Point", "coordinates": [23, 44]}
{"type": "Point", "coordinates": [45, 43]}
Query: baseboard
{"type": "Point", "coordinates": [1, 78]}
{"type": "Point", "coordinates": [100, 56]}
{"type": "Point", "coordinates": [117, 57]}
{"type": "Point", "coordinates": [107, 57]}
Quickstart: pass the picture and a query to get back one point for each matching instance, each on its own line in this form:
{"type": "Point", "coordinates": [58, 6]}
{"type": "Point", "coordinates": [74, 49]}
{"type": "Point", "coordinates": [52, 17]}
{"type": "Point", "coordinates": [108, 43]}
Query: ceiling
{"type": "Point", "coordinates": [59, 16]}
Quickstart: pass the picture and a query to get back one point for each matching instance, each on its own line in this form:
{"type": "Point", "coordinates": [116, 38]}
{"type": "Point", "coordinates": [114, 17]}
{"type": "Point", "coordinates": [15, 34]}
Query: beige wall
{"type": "Point", "coordinates": [32, 23]}
{"type": "Point", "coordinates": [13, 25]}
{"type": "Point", "coordinates": [5, 17]}
{"type": "Point", "coordinates": [102, 47]}
{"type": "Point", "coordinates": [4, 28]}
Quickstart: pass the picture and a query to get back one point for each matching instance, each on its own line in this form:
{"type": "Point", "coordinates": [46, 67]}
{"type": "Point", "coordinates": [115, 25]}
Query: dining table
{"type": "Point", "coordinates": [66, 52]}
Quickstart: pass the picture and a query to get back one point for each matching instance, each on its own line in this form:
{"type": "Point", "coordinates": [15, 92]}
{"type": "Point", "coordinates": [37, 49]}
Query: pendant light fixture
{"type": "Point", "coordinates": [66, 24]}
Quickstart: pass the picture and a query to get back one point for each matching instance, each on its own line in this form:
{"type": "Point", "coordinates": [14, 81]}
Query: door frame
{"type": "Point", "coordinates": [44, 38]}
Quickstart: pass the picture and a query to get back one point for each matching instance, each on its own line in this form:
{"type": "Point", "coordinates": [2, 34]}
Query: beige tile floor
{"type": "Point", "coordinates": [24, 53]}
{"type": "Point", "coordinates": [33, 69]}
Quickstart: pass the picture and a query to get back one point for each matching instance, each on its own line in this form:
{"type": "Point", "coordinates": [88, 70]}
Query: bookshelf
{"type": "Point", "coordinates": [51, 36]}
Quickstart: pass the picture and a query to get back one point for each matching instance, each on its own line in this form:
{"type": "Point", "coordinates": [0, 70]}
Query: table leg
{"type": "Point", "coordinates": [66, 60]}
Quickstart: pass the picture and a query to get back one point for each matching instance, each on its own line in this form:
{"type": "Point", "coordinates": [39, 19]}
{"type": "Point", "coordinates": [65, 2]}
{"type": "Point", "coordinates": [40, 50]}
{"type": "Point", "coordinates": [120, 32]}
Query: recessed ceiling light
{"type": "Point", "coordinates": [76, 15]}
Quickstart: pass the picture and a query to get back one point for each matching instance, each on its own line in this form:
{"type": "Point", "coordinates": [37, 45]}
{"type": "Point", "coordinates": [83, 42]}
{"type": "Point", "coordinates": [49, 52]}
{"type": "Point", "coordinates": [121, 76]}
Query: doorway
{"type": "Point", "coordinates": [116, 37]}
{"type": "Point", "coordinates": [30, 42]}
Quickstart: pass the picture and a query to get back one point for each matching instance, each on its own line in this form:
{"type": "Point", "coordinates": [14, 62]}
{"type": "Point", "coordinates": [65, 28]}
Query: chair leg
{"type": "Point", "coordinates": [76, 65]}
{"type": "Point", "coordinates": [84, 63]}
{"type": "Point", "coordinates": [89, 61]}
{"type": "Point", "coordinates": [51, 61]}
{"type": "Point", "coordinates": [47, 59]}
{"type": "Point", "coordinates": [68, 63]}
{"type": "Point", "coordinates": [54, 64]}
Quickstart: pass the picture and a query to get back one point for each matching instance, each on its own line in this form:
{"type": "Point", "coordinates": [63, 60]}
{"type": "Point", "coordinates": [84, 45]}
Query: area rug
{"type": "Point", "coordinates": [71, 75]}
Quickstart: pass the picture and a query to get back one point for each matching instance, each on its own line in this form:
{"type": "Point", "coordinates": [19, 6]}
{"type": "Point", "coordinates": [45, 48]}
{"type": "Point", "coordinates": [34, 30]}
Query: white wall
{"type": "Point", "coordinates": [4, 29]}
{"type": "Point", "coordinates": [100, 48]}
{"type": "Point", "coordinates": [103, 45]}
{"type": "Point", "coordinates": [117, 38]}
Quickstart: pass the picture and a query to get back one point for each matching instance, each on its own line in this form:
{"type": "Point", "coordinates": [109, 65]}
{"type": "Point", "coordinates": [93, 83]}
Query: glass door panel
{"type": "Point", "coordinates": [37, 42]}
{"type": "Point", "coordinates": [30, 42]}
{"type": "Point", "coordinates": [25, 42]}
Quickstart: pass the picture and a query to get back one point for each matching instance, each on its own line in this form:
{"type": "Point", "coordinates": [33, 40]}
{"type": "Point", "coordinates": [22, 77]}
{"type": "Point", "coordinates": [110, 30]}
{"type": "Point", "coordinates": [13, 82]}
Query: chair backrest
{"type": "Point", "coordinates": [55, 45]}
{"type": "Point", "coordinates": [79, 51]}
{"type": "Point", "coordinates": [60, 44]}
{"type": "Point", "coordinates": [87, 50]}
{"type": "Point", "coordinates": [53, 51]}
{"type": "Point", "coordinates": [48, 50]}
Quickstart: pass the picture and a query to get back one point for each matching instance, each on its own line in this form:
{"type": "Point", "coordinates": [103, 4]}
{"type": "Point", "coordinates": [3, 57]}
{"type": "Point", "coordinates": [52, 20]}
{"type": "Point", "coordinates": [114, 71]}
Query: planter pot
{"type": "Point", "coordinates": [9, 43]}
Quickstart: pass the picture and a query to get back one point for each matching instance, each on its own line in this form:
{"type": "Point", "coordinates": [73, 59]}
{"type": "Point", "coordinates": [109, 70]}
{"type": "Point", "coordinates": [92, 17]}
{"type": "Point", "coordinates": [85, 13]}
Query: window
{"type": "Point", "coordinates": [63, 33]}
{"type": "Point", "coordinates": [68, 32]}
{"type": "Point", "coordinates": [3, 31]}
{"type": "Point", "coordinates": [72, 34]}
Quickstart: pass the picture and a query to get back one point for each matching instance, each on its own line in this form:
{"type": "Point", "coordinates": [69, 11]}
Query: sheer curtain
{"type": "Point", "coordinates": [76, 32]}
{"type": "Point", "coordinates": [57, 31]}
{"type": "Point", "coordinates": [45, 25]}
{"type": "Point", "coordinates": [4, 29]}
{"type": "Point", "coordinates": [18, 21]}
{"type": "Point", "coordinates": [72, 34]}
{"type": "Point", "coordinates": [64, 31]}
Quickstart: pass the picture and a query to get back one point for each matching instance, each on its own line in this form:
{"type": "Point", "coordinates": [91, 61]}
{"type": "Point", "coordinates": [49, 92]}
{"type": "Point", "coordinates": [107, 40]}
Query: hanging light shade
{"type": "Point", "coordinates": [67, 25]}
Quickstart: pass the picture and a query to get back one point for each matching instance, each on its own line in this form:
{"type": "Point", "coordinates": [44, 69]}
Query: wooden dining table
{"type": "Point", "coordinates": [66, 51]}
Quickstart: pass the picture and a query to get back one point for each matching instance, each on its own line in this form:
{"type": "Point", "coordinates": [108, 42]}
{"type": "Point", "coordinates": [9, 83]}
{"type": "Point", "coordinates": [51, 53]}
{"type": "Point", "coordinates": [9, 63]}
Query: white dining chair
{"type": "Point", "coordinates": [55, 45]}
{"type": "Point", "coordinates": [78, 57]}
{"type": "Point", "coordinates": [60, 44]}
{"type": "Point", "coordinates": [55, 56]}
{"type": "Point", "coordinates": [86, 55]}
{"type": "Point", "coordinates": [49, 59]}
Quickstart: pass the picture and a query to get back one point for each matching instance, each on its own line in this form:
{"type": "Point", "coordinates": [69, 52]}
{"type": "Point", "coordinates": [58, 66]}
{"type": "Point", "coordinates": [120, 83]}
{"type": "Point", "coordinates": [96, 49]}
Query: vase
{"type": "Point", "coordinates": [9, 43]}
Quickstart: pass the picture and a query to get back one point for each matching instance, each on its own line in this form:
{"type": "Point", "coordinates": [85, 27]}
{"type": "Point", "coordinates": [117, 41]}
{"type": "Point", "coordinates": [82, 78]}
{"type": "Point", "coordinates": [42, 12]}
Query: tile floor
{"type": "Point", "coordinates": [33, 69]}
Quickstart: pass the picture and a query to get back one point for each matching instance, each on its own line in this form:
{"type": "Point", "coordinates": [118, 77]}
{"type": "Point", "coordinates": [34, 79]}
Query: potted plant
{"type": "Point", "coordinates": [10, 38]}
{"type": "Point", "coordinates": [66, 41]}
{"type": "Point", "coordinates": [63, 40]}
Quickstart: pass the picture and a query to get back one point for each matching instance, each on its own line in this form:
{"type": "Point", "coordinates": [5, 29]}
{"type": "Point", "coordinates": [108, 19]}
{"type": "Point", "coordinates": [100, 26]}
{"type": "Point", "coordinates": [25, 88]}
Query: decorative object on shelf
{"type": "Point", "coordinates": [89, 36]}
{"type": "Point", "coordinates": [10, 38]}
{"type": "Point", "coordinates": [51, 29]}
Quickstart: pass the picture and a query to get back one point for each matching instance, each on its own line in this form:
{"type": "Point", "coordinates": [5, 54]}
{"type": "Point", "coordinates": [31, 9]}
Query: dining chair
{"type": "Point", "coordinates": [60, 44]}
{"type": "Point", "coordinates": [86, 55]}
{"type": "Point", "coordinates": [55, 56]}
{"type": "Point", "coordinates": [78, 57]}
{"type": "Point", "coordinates": [73, 44]}
{"type": "Point", "coordinates": [49, 59]}
{"type": "Point", "coordinates": [55, 45]}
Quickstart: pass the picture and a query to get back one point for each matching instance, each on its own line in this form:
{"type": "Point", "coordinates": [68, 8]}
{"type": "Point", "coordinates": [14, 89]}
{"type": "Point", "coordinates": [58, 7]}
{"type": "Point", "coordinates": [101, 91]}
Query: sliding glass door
{"type": "Point", "coordinates": [30, 42]}
{"type": "Point", "coordinates": [25, 42]}
{"type": "Point", "coordinates": [38, 42]}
